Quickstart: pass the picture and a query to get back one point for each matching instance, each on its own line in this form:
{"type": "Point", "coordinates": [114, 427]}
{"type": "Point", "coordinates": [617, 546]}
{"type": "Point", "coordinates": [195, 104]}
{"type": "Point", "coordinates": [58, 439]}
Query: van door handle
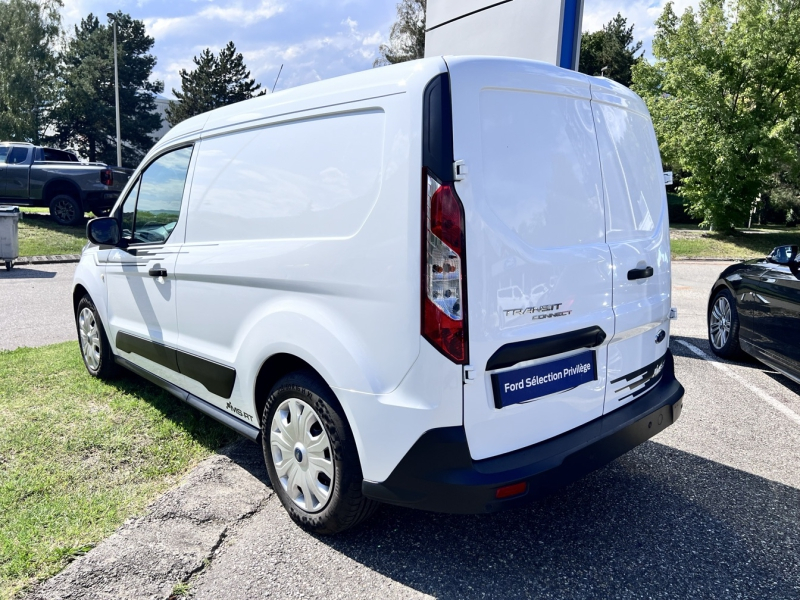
{"type": "Point", "coordinates": [634, 274]}
{"type": "Point", "coordinates": [157, 272]}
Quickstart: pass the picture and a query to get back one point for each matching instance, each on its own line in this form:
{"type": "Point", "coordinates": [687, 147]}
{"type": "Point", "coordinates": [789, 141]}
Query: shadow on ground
{"type": "Point", "coordinates": [23, 273]}
{"type": "Point", "coordinates": [656, 523]}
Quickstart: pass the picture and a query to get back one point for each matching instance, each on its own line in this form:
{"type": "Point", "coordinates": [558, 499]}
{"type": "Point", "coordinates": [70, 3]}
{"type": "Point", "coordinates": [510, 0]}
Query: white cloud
{"type": "Point", "coordinates": [237, 13]}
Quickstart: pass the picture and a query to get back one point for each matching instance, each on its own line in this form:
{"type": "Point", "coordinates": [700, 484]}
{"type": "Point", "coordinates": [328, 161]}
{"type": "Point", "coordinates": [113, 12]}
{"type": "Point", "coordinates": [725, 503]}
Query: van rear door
{"type": "Point", "coordinates": [538, 270]}
{"type": "Point", "coordinates": [637, 231]}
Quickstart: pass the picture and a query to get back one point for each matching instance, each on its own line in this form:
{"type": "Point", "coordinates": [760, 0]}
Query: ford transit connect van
{"type": "Point", "coordinates": [443, 284]}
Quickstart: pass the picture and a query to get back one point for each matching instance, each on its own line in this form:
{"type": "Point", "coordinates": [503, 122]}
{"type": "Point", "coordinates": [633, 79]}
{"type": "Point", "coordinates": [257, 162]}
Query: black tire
{"type": "Point", "coordinates": [9, 265]}
{"type": "Point", "coordinates": [346, 506]}
{"type": "Point", "coordinates": [101, 364]}
{"type": "Point", "coordinates": [66, 210]}
{"type": "Point", "coordinates": [718, 320]}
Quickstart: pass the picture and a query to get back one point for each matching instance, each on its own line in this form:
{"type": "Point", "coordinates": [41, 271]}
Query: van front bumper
{"type": "Point", "coordinates": [438, 473]}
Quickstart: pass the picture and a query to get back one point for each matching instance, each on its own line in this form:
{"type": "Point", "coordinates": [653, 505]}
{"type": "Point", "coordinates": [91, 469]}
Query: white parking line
{"type": "Point", "coordinates": [776, 404]}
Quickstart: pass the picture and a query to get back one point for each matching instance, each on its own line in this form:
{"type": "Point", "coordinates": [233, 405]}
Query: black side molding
{"type": "Point", "coordinates": [216, 378]}
{"type": "Point", "coordinates": [511, 354]}
{"type": "Point", "coordinates": [249, 431]}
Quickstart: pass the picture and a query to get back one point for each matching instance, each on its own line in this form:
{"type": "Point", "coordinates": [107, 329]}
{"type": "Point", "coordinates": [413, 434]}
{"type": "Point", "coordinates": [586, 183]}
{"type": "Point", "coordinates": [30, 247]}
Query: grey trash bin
{"type": "Point", "coordinates": [9, 234]}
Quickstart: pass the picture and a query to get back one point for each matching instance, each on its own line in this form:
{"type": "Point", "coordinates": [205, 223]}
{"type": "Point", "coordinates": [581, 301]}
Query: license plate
{"type": "Point", "coordinates": [529, 383]}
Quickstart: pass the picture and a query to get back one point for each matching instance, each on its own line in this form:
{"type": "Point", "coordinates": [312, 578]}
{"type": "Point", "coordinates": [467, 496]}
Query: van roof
{"type": "Point", "coordinates": [372, 83]}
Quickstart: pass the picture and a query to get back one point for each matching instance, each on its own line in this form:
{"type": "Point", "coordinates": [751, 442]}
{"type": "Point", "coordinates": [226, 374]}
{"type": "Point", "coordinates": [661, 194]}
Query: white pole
{"type": "Point", "coordinates": [116, 95]}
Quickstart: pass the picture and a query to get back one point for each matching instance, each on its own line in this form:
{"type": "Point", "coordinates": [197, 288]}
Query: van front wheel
{"type": "Point", "coordinates": [311, 456]}
{"type": "Point", "coordinates": [95, 349]}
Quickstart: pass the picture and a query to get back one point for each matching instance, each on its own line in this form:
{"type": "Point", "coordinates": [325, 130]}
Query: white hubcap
{"type": "Point", "coordinates": [302, 455]}
{"type": "Point", "coordinates": [720, 322]}
{"type": "Point", "coordinates": [90, 338]}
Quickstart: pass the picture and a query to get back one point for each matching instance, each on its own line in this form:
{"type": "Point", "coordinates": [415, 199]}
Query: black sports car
{"type": "Point", "coordinates": [755, 306]}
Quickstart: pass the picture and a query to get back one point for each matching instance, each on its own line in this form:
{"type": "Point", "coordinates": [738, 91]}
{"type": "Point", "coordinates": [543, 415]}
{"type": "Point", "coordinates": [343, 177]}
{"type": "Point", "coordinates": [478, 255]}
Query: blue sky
{"type": "Point", "coordinates": [314, 39]}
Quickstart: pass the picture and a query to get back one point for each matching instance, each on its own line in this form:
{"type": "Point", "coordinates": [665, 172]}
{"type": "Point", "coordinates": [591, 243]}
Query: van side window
{"type": "Point", "coordinates": [158, 203]}
{"type": "Point", "coordinates": [129, 211]}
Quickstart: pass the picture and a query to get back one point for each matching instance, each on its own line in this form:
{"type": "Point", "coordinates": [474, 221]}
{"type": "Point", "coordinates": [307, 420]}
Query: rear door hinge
{"type": "Point", "coordinates": [459, 170]}
{"type": "Point", "coordinates": [469, 374]}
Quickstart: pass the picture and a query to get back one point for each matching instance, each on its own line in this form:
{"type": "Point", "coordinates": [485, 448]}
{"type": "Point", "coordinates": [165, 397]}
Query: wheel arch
{"type": "Point", "coordinates": [272, 370]}
{"type": "Point", "coordinates": [718, 285]}
{"type": "Point", "coordinates": [54, 187]}
{"type": "Point", "coordinates": [77, 293]}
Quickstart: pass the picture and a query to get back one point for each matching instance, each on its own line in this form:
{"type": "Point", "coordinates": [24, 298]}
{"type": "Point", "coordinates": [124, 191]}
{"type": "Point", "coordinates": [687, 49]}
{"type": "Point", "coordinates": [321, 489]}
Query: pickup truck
{"type": "Point", "coordinates": [35, 176]}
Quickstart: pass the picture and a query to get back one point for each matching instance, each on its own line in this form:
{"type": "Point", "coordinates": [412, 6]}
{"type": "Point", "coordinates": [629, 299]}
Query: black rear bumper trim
{"type": "Point", "coordinates": [438, 473]}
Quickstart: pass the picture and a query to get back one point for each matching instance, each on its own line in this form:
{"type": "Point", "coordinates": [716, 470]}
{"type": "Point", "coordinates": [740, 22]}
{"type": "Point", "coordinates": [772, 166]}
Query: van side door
{"type": "Point", "coordinates": [140, 277]}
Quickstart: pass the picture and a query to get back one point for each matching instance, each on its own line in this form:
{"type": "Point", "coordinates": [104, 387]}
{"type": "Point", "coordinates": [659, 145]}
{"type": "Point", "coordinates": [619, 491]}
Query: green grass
{"type": "Point", "coordinates": [39, 235]}
{"type": "Point", "coordinates": [689, 241]}
{"type": "Point", "coordinates": [79, 456]}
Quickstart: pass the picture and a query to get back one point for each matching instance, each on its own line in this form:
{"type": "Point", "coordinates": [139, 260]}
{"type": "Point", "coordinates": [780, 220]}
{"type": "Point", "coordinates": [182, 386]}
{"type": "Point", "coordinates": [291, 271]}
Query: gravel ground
{"type": "Point", "coordinates": [710, 508]}
{"type": "Point", "coordinates": [36, 305]}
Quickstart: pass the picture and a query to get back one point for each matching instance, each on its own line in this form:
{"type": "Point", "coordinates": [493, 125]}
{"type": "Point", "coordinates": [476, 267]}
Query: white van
{"type": "Point", "coordinates": [443, 284]}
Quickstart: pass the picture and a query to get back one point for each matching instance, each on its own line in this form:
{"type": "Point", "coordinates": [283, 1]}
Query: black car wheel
{"type": "Point", "coordinates": [311, 456]}
{"type": "Point", "coordinates": [66, 210]}
{"type": "Point", "coordinates": [723, 325]}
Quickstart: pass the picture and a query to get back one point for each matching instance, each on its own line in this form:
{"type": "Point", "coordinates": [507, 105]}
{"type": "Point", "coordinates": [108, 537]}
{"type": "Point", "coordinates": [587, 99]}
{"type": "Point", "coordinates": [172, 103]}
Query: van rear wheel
{"type": "Point", "coordinates": [311, 456]}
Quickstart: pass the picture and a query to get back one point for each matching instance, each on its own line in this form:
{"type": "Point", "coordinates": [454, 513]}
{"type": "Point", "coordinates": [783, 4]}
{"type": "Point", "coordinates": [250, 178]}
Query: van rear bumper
{"type": "Point", "coordinates": [438, 473]}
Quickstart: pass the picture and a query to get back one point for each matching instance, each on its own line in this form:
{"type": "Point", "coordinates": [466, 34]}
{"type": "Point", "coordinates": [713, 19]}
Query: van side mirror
{"type": "Point", "coordinates": [103, 231]}
{"type": "Point", "coordinates": [783, 255]}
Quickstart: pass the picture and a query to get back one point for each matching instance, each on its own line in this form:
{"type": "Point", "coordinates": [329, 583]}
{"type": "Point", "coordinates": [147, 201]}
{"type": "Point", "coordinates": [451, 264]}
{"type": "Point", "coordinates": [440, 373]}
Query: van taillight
{"type": "Point", "coordinates": [443, 277]}
{"type": "Point", "coordinates": [107, 177]}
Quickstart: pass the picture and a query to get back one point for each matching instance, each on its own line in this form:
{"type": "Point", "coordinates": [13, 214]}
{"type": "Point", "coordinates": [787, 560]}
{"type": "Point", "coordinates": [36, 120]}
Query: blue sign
{"type": "Point", "coordinates": [529, 383]}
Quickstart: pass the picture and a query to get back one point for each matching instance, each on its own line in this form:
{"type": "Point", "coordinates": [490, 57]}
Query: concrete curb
{"type": "Point", "coordinates": [47, 260]}
{"type": "Point", "coordinates": [687, 259]}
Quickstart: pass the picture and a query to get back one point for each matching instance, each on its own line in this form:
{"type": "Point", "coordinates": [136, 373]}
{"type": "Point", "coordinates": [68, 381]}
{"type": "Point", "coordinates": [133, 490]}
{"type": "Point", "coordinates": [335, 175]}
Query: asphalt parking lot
{"type": "Point", "coordinates": [36, 305]}
{"type": "Point", "coordinates": [710, 508]}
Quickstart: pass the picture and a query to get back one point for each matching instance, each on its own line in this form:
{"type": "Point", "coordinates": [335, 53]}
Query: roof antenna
{"type": "Point", "coordinates": [276, 79]}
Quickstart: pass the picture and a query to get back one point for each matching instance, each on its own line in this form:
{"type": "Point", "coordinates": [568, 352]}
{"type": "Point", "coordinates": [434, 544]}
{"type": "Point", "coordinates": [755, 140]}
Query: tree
{"type": "Point", "coordinates": [85, 116]}
{"type": "Point", "coordinates": [407, 38]}
{"type": "Point", "coordinates": [612, 47]}
{"type": "Point", "coordinates": [217, 81]}
{"type": "Point", "coordinates": [29, 32]}
{"type": "Point", "coordinates": [724, 94]}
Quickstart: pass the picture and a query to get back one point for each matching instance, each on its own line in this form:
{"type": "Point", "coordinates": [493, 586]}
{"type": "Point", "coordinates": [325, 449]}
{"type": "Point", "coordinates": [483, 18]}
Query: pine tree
{"type": "Point", "coordinates": [216, 81]}
{"type": "Point", "coordinates": [84, 116]}
{"type": "Point", "coordinates": [610, 51]}
{"type": "Point", "coordinates": [407, 38]}
{"type": "Point", "coordinates": [29, 31]}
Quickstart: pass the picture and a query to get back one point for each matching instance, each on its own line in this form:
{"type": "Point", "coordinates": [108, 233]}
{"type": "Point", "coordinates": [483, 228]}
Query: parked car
{"type": "Point", "coordinates": [323, 269]}
{"type": "Point", "coordinates": [754, 307]}
{"type": "Point", "coordinates": [35, 176]}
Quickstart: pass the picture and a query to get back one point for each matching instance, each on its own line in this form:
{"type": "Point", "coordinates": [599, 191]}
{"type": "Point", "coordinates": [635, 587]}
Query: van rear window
{"type": "Point", "coordinates": [541, 170]}
{"type": "Point", "coordinates": [316, 178]}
